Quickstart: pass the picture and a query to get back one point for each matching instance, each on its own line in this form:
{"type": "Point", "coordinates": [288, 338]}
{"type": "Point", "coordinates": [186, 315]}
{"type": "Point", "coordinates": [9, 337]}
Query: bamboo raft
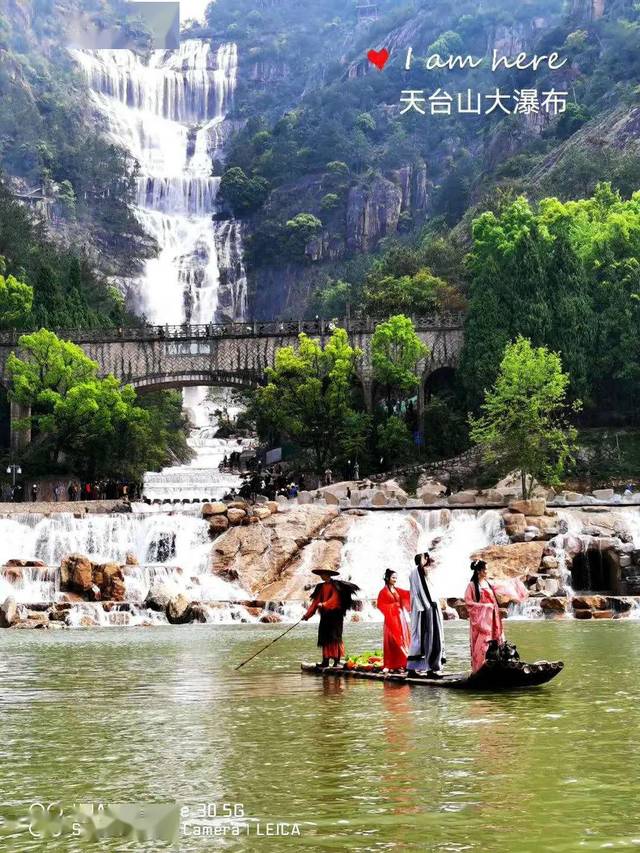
{"type": "Point", "coordinates": [493, 675]}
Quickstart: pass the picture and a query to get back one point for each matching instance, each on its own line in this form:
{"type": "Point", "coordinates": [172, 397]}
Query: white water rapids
{"type": "Point", "coordinates": [174, 549]}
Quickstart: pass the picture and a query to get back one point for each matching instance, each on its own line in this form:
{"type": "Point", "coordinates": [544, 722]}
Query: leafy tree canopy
{"type": "Point", "coordinates": [396, 350]}
{"type": "Point", "coordinates": [523, 421]}
{"type": "Point", "coordinates": [308, 395]}
{"type": "Point", "coordinates": [16, 300]}
{"type": "Point", "coordinates": [93, 425]}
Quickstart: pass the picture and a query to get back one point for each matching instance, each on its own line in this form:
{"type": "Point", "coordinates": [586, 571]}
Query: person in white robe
{"type": "Point", "coordinates": [426, 652]}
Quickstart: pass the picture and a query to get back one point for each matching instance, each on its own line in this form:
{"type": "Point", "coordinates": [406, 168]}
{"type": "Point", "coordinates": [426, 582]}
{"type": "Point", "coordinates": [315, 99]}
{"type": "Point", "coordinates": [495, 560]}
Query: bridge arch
{"type": "Point", "coordinates": [189, 379]}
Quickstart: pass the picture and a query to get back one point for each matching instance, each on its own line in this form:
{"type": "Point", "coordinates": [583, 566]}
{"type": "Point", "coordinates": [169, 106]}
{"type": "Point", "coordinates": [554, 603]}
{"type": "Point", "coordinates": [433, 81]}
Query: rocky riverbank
{"type": "Point", "coordinates": [259, 559]}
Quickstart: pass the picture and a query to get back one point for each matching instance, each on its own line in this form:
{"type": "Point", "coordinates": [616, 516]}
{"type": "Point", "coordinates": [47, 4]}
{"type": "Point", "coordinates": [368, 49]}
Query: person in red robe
{"type": "Point", "coordinates": [485, 622]}
{"type": "Point", "coordinates": [331, 598]}
{"type": "Point", "coordinates": [393, 602]}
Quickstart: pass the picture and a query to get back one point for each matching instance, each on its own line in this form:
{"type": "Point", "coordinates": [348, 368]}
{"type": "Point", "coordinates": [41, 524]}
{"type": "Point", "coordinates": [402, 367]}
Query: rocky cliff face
{"type": "Point", "coordinates": [257, 557]}
{"type": "Point", "coordinates": [587, 10]}
{"type": "Point", "coordinates": [372, 213]}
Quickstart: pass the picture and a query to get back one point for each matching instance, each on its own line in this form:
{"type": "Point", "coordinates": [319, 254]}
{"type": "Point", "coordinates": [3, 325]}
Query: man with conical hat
{"type": "Point", "coordinates": [331, 598]}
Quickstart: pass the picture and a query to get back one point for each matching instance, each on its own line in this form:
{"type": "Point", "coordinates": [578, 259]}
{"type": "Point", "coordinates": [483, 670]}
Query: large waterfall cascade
{"type": "Point", "coordinates": [169, 111]}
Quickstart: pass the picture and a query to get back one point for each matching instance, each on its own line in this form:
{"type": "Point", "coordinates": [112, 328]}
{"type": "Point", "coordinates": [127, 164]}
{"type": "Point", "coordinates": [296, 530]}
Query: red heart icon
{"type": "Point", "coordinates": [378, 58]}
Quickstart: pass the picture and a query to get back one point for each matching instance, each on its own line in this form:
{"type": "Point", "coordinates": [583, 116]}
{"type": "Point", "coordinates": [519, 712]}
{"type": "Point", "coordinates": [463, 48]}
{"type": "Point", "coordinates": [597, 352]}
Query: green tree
{"type": "Point", "coordinates": [93, 425]}
{"type": "Point", "coordinates": [333, 299]}
{"type": "Point", "coordinates": [355, 438]}
{"type": "Point", "coordinates": [523, 422]}
{"type": "Point", "coordinates": [527, 278]}
{"type": "Point", "coordinates": [243, 194]}
{"type": "Point", "coordinates": [394, 442]}
{"type": "Point", "coordinates": [301, 229]}
{"type": "Point", "coordinates": [396, 351]}
{"type": "Point", "coordinates": [308, 395]}
{"type": "Point", "coordinates": [16, 300]}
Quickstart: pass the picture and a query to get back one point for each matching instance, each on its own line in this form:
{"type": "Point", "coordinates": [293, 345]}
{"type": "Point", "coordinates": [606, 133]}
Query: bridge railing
{"type": "Point", "coordinates": [271, 328]}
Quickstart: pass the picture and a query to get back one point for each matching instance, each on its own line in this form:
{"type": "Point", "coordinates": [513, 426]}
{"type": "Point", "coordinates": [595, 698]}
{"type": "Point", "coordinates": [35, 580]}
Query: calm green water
{"type": "Point", "coordinates": [157, 715]}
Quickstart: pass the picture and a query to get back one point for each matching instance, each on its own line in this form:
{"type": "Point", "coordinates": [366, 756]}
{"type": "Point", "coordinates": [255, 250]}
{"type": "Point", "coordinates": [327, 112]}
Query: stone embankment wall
{"type": "Point", "coordinates": [78, 508]}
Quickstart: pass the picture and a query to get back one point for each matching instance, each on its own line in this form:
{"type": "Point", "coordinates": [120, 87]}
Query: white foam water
{"type": "Point", "coordinates": [168, 111]}
{"type": "Point", "coordinates": [390, 540]}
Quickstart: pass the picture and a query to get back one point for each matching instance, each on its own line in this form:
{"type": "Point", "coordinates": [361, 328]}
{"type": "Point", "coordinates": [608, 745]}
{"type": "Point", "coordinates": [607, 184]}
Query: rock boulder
{"type": "Point", "coordinates": [178, 610]}
{"type": "Point", "coordinates": [507, 561]}
{"type": "Point", "coordinates": [211, 509]}
{"type": "Point", "coordinates": [236, 515]}
{"type": "Point", "coordinates": [532, 507]}
{"type": "Point", "coordinates": [590, 602]}
{"type": "Point", "coordinates": [158, 597]}
{"type": "Point", "coordinates": [76, 573]}
{"type": "Point", "coordinates": [8, 612]}
{"type": "Point", "coordinates": [552, 605]}
{"type": "Point", "coordinates": [264, 555]}
{"type": "Point", "coordinates": [603, 494]}
{"type": "Point", "coordinates": [217, 525]}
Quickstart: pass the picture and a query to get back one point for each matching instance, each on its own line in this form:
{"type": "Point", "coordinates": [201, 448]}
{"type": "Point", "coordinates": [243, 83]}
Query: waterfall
{"type": "Point", "coordinates": [169, 111]}
{"type": "Point", "coordinates": [171, 547]}
{"type": "Point", "coordinates": [383, 541]}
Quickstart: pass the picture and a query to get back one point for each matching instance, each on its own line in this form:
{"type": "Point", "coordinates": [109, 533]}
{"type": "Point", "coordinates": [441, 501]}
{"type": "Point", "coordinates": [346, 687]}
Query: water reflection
{"type": "Point", "coordinates": [135, 716]}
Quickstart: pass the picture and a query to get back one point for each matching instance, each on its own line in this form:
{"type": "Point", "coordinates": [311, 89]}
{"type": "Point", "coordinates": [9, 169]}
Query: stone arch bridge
{"type": "Point", "coordinates": [234, 355]}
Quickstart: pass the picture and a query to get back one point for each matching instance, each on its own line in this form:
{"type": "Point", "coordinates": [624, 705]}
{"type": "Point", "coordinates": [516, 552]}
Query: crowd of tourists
{"type": "Point", "coordinates": [108, 489]}
{"type": "Point", "coordinates": [270, 483]}
{"type": "Point", "coordinates": [413, 638]}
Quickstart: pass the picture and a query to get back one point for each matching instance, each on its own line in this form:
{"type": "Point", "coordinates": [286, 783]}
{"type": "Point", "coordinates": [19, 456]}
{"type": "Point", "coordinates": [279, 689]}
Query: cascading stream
{"type": "Point", "coordinates": [390, 540]}
{"type": "Point", "coordinates": [169, 111]}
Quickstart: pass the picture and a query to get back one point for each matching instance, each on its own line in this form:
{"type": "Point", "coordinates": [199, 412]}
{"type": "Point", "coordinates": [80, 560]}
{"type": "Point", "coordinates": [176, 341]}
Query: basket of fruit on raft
{"type": "Point", "coordinates": [365, 662]}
